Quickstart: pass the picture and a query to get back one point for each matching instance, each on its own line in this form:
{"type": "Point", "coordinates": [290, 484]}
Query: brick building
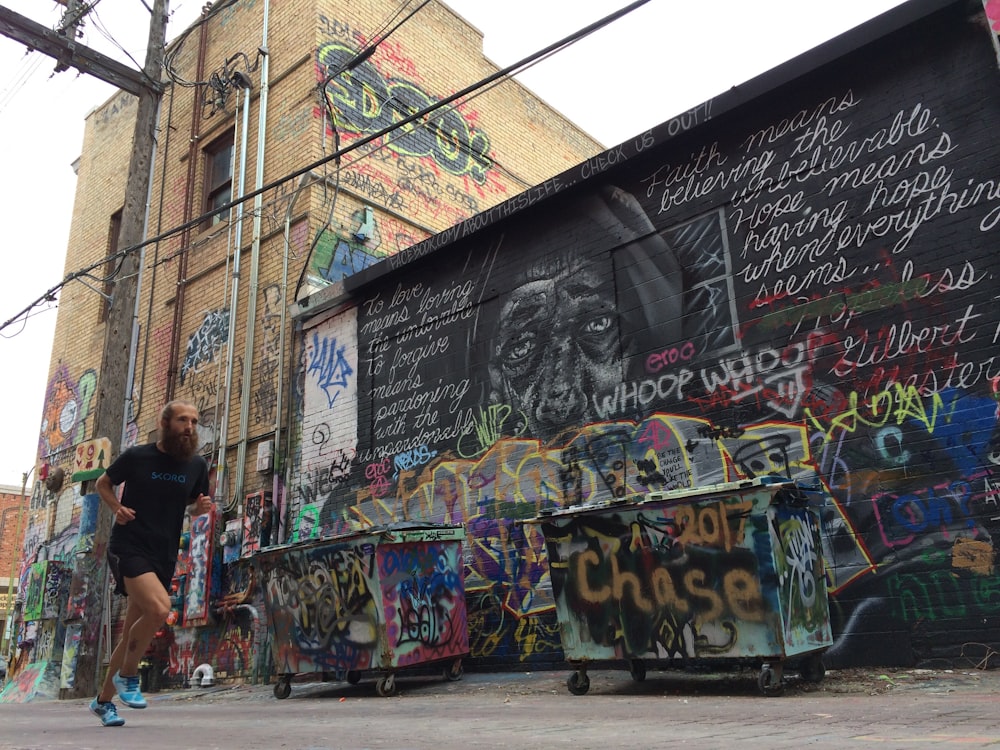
{"type": "Point", "coordinates": [13, 515]}
{"type": "Point", "coordinates": [211, 321]}
{"type": "Point", "coordinates": [795, 279]}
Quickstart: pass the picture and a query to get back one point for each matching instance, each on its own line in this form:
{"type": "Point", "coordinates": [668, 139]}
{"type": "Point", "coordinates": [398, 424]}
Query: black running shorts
{"type": "Point", "coordinates": [126, 565]}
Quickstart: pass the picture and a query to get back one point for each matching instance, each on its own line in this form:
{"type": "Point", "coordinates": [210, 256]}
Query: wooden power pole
{"type": "Point", "coordinates": [62, 46]}
{"type": "Point", "coordinates": [109, 418]}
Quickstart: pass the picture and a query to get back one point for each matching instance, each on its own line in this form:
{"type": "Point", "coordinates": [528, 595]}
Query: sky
{"type": "Point", "coordinates": [658, 61]}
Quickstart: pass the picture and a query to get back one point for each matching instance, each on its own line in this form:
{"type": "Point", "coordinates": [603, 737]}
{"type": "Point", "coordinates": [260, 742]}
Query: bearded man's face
{"type": "Point", "coordinates": [179, 434]}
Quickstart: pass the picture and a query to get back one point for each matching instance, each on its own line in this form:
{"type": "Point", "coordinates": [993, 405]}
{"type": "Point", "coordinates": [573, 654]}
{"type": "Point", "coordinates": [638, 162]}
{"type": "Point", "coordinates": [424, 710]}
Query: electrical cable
{"type": "Point", "coordinates": [103, 31]}
{"type": "Point", "coordinates": [221, 82]}
{"type": "Point", "coordinates": [336, 191]}
{"type": "Point", "coordinates": [26, 318]}
{"type": "Point", "coordinates": [80, 12]}
{"type": "Point", "coordinates": [366, 52]}
{"type": "Point", "coordinates": [27, 67]}
{"type": "Point", "coordinates": [177, 44]}
{"type": "Point", "coordinates": [421, 114]}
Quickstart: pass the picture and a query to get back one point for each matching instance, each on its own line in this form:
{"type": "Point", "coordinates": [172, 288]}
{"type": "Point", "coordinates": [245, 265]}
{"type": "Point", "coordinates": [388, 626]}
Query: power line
{"type": "Point", "coordinates": [177, 44]}
{"type": "Point", "coordinates": [483, 83]}
{"type": "Point", "coordinates": [27, 67]}
{"type": "Point", "coordinates": [381, 34]}
{"type": "Point", "coordinates": [103, 30]}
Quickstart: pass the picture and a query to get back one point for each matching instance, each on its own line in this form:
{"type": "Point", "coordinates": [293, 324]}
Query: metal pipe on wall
{"type": "Point", "coordinates": [280, 395]}
{"type": "Point", "coordinates": [185, 239]}
{"type": "Point", "coordinates": [283, 408]}
{"type": "Point", "coordinates": [248, 360]}
{"type": "Point", "coordinates": [234, 302]}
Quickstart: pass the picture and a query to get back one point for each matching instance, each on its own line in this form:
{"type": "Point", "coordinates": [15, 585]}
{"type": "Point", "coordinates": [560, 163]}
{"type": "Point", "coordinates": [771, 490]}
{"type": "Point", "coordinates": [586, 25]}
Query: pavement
{"type": "Point", "coordinates": [847, 709]}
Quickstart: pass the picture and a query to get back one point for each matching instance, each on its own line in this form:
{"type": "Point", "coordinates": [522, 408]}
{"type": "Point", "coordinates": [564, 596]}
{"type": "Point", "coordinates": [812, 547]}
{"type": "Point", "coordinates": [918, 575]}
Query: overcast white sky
{"type": "Point", "coordinates": [658, 61]}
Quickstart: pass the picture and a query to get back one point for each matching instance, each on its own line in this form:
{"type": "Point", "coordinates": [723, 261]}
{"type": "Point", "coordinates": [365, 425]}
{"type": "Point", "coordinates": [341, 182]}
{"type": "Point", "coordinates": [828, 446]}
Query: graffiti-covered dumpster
{"type": "Point", "coordinates": [730, 571]}
{"type": "Point", "coordinates": [373, 602]}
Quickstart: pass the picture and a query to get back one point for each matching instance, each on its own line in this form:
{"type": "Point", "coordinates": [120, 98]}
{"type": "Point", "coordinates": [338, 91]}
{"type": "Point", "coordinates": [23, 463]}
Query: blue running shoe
{"type": "Point", "coordinates": [128, 690]}
{"type": "Point", "coordinates": [107, 713]}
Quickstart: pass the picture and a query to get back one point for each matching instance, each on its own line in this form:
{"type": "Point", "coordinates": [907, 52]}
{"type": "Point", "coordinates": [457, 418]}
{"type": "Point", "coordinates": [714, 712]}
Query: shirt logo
{"type": "Point", "coordinates": [163, 476]}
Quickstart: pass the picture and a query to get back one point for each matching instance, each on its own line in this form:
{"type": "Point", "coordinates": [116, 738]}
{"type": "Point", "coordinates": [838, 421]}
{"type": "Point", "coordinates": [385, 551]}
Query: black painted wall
{"type": "Point", "coordinates": [799, 283]}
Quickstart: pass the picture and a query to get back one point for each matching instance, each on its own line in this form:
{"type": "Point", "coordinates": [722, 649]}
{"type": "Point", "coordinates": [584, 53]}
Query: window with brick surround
{"type": "Point", "coordinates": [108, 282]}
{"type": "Point", "coordinates": [218, 157]}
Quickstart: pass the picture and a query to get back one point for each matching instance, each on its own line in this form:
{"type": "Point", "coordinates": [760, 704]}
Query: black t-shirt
{"type": "Point", "coordinates": [158, 487]}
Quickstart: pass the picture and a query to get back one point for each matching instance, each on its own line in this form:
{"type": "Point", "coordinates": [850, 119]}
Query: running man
{"type": "Point", "coordinates": [162, 480]}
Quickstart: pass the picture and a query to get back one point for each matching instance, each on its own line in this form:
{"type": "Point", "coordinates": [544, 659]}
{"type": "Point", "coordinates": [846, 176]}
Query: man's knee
{"type": "Point", "coordinates": [160, 610]}
{"type": "Point", "coordinates": [148, 596]}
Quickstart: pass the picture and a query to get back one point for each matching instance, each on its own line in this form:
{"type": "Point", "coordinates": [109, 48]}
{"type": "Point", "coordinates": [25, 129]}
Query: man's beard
{"type": "Point", "coordinates": [179, 445]}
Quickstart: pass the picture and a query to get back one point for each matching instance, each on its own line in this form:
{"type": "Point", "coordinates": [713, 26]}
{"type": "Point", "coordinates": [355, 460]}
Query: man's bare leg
{"type": "Point", "coordinates": [148, 608]}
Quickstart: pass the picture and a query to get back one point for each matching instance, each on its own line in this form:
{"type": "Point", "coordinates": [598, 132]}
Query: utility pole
{"type": "Point", "coordinates": [109, 418]}
{"type": "Point", "coordinates": [62, 46]}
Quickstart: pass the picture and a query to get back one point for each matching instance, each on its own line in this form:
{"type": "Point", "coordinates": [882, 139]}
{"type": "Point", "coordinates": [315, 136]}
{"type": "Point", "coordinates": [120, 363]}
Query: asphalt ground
{"type": "Point", "coordinates": [847, 709]}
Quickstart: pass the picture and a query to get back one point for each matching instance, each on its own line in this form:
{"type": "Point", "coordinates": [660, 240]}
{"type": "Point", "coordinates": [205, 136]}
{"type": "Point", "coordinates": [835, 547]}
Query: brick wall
{"type": "Point", "coordinates": [385, 196]}
{"type": "Point", "coordinates": [793, 279]}
{"type": "Point", "coordinates": [11, 537]}
{"type": "Point", "coordinates": [232, 359]}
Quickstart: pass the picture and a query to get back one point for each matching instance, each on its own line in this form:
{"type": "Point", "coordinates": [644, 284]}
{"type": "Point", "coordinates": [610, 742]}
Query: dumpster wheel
{"type": "Point", "coordinates": [353, 677]}
{"type": "Point", "coordinates": [769, 680]}
{"type": "Point", "coordinates": [283, 688]}
{"type": "Point", "coordinates": [454, 671]}
{"type": "Point", "coordinates": [386, 685]}
{"type": "Point", "coordinates": [578, 683]}
{"type": "Point", "coordinates": [637, 668]}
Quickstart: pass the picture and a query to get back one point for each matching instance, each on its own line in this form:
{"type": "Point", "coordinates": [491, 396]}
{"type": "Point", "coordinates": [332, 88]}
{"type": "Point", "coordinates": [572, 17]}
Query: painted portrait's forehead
{"type": "Point", "coordinates": [556, 266]}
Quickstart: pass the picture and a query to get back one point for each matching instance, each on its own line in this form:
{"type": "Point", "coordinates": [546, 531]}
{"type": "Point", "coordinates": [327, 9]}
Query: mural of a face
{"type": "Point", "coordinates": [60, 414]}
{"type": "Point", "coordinates": [557, 346]}
{"type": "Point", "coordinates": [568, 328]}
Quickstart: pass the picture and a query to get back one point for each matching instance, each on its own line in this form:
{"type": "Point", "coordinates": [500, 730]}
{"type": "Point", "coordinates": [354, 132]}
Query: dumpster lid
{"type": "Point", "coordinates": [397, 531]}
{"type": "Point", "coordinates": [723, 487]}
{"type": "Point", "coordinates": [773, 483]}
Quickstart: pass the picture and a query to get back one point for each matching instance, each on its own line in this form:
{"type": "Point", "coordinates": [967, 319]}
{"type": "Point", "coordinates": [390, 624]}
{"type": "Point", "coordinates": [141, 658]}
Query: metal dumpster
{"type": "Point", "coordinates": [730, 571]}
{"type": "Point", "coordinates": [374, 602]}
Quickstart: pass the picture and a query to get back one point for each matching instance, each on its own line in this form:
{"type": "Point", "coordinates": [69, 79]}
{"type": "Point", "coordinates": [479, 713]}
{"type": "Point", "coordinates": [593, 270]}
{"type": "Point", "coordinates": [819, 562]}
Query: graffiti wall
{"type": "Point", "coordinates": [68, 405]}
{"type": "Point", "coordinates": [436, 171]}
{"type": "Point", "coordinates": [195, 564]}
{"type": "Point", "coordinates": [800, 284]}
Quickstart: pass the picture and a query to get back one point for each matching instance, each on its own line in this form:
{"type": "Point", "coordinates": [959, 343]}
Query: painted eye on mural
{"type": "Point", "coordinates": [597, 325]}
{"type": "Point", "coordinates": [519, 348]}
{"type": "Point", "coordinates": [67, 418]}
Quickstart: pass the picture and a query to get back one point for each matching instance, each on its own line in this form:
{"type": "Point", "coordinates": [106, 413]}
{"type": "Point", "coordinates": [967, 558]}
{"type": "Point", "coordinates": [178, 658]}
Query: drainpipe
{"type": "Point", "coordinates": [248, 358]}
{"type": "Point", "coordinates": [280, 397]}
{"type": "Point", "coordinates": [234, 302]}
{"type": "Point", "coordinates": [204, 673]}
{"type": "Point", "coordinates": [185, 239]}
